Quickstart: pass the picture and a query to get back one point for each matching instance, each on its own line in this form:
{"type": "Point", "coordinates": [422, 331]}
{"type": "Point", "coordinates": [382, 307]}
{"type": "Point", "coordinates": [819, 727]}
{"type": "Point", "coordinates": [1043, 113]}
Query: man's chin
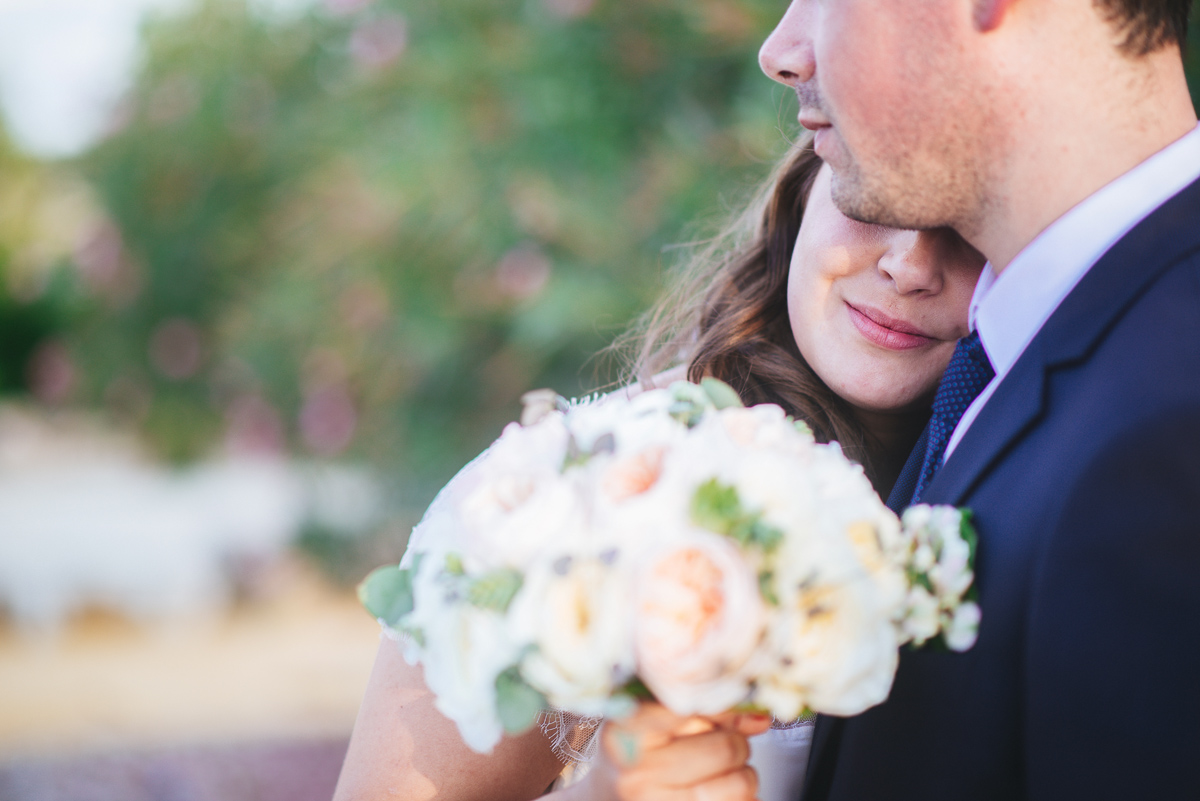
{"type": "Point", "coordinates": [867, 204]}
{"type": "Point", "coordinates": [851, 198]}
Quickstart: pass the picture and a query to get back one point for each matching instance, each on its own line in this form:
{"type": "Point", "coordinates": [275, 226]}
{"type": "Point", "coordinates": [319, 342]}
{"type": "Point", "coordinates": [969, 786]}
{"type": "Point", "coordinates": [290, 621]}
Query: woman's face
{"type": "Point", "coordinates": [876, 311]}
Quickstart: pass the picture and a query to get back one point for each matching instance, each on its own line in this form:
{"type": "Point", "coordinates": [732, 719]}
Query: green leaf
{"type": "Point", "coordinates": [691, 403]}
{"type": "Point", "coordinates": [636, 688]}
{"type": "Point", "coordinates": [969, 535]}
{"type": "Point", "coordinates": [454, 565]}
{"type": "Point", "coordinates": [721, 394]}
{"type": "Point", "coordinates": [387, 593]}
{"type": "Point", "coordinates": [494, 590]}
{"type": "Point", "coordinates": [717, 507]}
{"type": "Point", "coordinates": [766, 587]}
{"type": "Point", "coordinates": [764, 535]}
{"type": "Point", "coordinates": [517, 703]}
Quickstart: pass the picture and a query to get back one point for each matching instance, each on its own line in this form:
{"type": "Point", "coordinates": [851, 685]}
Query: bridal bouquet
{"type": "Point", "coordinates": [675, 545]}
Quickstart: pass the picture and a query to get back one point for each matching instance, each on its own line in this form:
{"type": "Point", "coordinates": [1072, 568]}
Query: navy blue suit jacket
{"type": "Point", "coordinates": [1083, 470]}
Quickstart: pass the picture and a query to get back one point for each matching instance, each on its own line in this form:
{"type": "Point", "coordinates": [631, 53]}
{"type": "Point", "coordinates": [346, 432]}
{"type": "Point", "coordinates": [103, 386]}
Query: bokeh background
{"type": "Point", "coordinates": [270, 272]}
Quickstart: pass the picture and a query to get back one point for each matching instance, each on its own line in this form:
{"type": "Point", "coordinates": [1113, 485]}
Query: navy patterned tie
{"type": "Point", "coordinates": [967, 374]}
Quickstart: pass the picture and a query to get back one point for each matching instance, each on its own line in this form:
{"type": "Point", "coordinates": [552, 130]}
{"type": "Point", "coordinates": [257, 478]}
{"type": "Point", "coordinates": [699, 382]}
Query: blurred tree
{"type": "Point", "coordinates": [362, 232]}
{"type": "Point", "coordinates": [34, 290]}
{"type": "Point", "coordinates": [366, 231]}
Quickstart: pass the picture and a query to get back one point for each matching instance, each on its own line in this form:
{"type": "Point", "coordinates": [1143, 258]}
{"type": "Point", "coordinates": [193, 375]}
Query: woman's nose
{"type": "Point", "coordinates": [787, 55]}
{"type": "Point", "coordinates": [914, 262]}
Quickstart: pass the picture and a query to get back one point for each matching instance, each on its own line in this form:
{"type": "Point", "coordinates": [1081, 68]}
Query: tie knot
{"type": "Point", "coordinates": [967, 374]}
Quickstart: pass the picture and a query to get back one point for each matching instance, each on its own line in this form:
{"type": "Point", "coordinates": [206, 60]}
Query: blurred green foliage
{"type": "Point", "coordinates": [365, 231]}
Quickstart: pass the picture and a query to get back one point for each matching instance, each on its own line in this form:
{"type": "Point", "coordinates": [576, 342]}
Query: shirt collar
{"type": "Point", "coordinates": [1009, 309]}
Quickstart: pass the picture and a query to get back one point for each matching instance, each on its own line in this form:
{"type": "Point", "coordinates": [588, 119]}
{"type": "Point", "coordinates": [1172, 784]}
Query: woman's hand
{"type": "Point", "coordinates": [656, 755]}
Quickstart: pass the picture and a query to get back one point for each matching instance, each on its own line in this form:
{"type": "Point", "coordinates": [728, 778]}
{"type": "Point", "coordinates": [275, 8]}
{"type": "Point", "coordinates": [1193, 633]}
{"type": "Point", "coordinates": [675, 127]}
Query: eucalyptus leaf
{"type": "Point", "coordinates": [494, 590]}
{"type": "Point", "coordinates": [721, 394]}
{"type": "Point", "coordinates": [764, 535]}
{"type": "Point", "coordinates": [517, 703]}
{"type": "Point", "coordinates": [387, 593]}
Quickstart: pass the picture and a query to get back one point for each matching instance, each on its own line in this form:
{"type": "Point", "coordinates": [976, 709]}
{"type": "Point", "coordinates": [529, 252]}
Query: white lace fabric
{"type": "Point", "coordinates": [573, 738]}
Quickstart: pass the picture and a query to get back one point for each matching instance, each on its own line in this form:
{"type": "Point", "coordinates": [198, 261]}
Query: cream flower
{"type": "Point", "coordinates": [832, 639]}
{"type": "Point", "coordinates": [576, 612]}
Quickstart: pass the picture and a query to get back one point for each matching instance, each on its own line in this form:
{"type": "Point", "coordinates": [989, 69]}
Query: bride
{"type": "Point", "coordinates": [847, 326]}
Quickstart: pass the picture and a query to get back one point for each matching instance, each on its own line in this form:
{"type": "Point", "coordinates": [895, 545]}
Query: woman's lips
{"type": "Point", "coordinates": [887, 332]}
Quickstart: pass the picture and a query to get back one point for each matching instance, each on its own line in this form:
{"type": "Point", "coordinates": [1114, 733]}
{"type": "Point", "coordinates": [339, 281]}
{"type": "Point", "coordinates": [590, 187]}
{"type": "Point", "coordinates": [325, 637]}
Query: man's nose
{"type": "Point", "coordinates": [914, 262]}
{"type": "Point", "coordinates": [787, 55]}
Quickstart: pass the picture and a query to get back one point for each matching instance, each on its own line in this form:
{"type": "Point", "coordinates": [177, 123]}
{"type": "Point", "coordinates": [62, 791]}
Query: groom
{"type": "Point", "coordinates": [1057, 137]}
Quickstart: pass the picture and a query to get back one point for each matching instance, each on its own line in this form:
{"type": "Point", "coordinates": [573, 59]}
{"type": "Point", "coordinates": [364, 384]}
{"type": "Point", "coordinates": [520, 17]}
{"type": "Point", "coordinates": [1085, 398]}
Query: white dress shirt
{"type": "Point", "coordinates": [780, 756]}
{"type": "Point", "coordinates": [1009, 309]}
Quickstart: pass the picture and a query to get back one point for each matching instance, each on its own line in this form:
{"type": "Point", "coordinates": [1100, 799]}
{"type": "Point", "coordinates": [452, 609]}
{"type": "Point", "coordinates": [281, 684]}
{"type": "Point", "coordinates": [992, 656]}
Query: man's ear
{"type": "Point", "coordinates": [990, 13]}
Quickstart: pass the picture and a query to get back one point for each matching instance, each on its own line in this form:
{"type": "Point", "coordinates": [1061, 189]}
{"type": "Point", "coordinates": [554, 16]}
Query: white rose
{"type": "Point", "coordinates": [842, 650]}
{"type": "Point", "coordinates": [832, 636]}
{"type": "Point", "coordinates": [513, 536]}
{"type": "Point", "coordinates": [520, 502]}
{"type": "Point", "coordinates": [699, 622]}
{"type": "Point", "coordinates": [576, 611]}
{"type": "Point", "coordinates": [763, 426]}
{"type": "Point", "coordinates": [464, 650]}
{"type": "Point", "coordinates": [869, 540]}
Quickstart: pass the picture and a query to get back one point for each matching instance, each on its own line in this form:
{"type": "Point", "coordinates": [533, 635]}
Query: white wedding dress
{"type": "Point", "coordinates": [779, 755]}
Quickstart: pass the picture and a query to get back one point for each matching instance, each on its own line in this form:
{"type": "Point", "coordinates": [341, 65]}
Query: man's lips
{"type": "Point", "coordinates": [887, 332]}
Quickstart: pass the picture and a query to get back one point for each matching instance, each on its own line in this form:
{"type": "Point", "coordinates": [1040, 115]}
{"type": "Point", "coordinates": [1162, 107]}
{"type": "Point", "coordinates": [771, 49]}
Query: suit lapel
{"type": "Point", "coordinates": [1079, 323]}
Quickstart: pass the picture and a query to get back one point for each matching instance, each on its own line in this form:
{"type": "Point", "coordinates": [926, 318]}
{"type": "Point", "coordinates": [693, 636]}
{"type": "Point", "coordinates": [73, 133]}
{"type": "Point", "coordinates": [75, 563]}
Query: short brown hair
{"type": "Point", "coordinates": [1147, 25]}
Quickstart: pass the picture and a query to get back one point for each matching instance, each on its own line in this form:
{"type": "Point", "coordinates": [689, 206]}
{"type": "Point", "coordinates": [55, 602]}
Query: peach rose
{"type": "Point", "coordinates": [699, 622]}
{"type": "Point", "coordinates": [633, 475]}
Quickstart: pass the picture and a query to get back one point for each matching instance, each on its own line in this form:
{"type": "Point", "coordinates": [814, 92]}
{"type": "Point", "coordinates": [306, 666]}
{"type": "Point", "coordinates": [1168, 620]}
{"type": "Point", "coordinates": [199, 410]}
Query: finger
{"type": "Point", "coordinates": [750, 725]}
{"type": "Point", "coordinates": [693, 725]}
{"type": "Point", "coordinates": [695, 758]}
{"type": "Point", "coordinates": [653, 716]}
{"type": "Point", "coordinates": [627, 740]}
{"type": "Point", "coordinates": [738, 785]}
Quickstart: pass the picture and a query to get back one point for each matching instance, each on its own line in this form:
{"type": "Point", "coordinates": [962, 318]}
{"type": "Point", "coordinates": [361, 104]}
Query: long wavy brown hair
{"type": "Point", "coordinates": [726, 316]}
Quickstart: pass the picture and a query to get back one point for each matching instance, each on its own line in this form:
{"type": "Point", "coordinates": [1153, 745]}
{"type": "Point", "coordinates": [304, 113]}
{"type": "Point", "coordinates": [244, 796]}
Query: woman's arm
{"type": "Point", "coordinates": [403, 748]}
